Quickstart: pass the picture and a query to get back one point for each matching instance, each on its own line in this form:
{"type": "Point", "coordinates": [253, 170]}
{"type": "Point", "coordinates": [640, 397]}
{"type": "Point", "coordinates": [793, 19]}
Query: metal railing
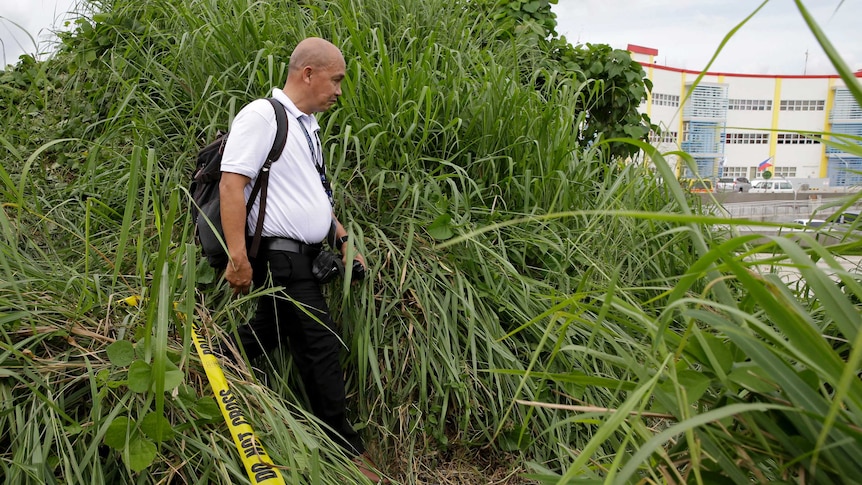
{"type": "Point", "coordinates": [780, 210]}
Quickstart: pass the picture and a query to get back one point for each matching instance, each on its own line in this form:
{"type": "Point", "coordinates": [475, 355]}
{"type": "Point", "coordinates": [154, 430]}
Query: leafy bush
{"type": "Point", "coordinates": [535, 304]}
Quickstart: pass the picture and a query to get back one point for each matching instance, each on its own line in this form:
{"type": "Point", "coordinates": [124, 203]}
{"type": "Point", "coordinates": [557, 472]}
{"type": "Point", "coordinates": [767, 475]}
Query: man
{"type": "Point", "coordinates": [299, 216]}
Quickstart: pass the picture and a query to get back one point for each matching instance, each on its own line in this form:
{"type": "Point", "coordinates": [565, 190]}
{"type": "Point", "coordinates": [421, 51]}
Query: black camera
{"type": "Point", "coordinates": [358, 270]}
{"type": "Point", "coordinates": [326, 266]}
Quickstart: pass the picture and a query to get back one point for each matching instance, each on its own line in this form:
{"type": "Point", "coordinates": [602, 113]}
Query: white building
{"type": "Point", "coordinates": [732, 123]}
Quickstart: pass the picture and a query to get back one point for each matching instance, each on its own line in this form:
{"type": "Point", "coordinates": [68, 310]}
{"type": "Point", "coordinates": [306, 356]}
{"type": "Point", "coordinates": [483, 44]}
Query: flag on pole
{"type": "Point", "coordinates": [764, 165]}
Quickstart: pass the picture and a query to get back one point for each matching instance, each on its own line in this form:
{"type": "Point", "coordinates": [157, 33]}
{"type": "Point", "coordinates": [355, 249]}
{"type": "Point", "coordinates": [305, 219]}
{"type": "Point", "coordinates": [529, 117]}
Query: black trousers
{"type": "Point", "coordinates": [307, 328]}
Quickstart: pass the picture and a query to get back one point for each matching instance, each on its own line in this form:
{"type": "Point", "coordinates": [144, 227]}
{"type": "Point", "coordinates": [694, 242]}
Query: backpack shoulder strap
{"type": "Point", "coordinates": [281, 131]}
{"type": "Point", "coordinates": [263, 177]}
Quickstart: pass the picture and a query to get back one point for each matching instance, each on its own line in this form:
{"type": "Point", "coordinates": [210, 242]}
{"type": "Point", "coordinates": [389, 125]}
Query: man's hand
{"type": "Point", "coordinates": [233, 219]}
{"type": "Point", "coordinates": [340, 233]}
{"type": "Point", "coordinates": [238, 274]}
{"type": "Point", "coordinates": [356, 258]}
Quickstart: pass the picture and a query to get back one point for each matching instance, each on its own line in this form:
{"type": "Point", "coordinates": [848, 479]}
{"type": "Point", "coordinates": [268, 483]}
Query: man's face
{"type": "Point", "coordinates": [325, 85]}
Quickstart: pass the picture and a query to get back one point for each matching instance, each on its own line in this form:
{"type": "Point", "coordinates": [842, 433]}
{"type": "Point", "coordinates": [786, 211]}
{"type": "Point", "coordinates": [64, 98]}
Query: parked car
{"type": "Point", "coordinates": [847, 217]}
{"type": "Point", "coordinates": [772, 186]}
{"type": "Point", "coordinates": [733, 184]}
{"type": "Point", "coordinates": [813, 223]}
{"type": "Point", "coordinates": [697, 186]}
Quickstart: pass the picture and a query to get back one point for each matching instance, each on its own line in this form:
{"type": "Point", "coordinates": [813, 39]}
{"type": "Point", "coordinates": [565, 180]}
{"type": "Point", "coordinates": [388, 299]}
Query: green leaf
{"type": "Point", "coordinates": [809, 377]}
{"type": "Point", "coordinates": [140, 376]}
{"type": "Point", "coordinates": [207, 408]}
{"type": "Point", "coordinates": [103, 376]}
{"type": "Point", "coordinates": [121, 353]}
{"type": "Point", "coordinates": [515, 439]}
{"type": "Point", "coordinates": [695, 384]}
{"type": "Point", "coordinates": [73, 429]}
{"type": "Point", "coordinates": [441, 228]}
{"type": "Point", "coordinates": [186, 395]}
{"type": "Point", "coordinates": [661, 438]}
{"type": "Point", "coordinates": [532, 7]}
{"type": "Point", "coordinates": [205, 273]}
{"type": "Point", "coordinates": [173, 376]}
{"type": "Point", "coordinates": [141, 453]}
{"type": "Point", "coordinates": [718, 352]}
{"type": "Point", "coordinates": [753, 378]}
{"type": "Point", "coordinates": [119, 432]}
{"type": "Point", "coordinates": [157, 427]}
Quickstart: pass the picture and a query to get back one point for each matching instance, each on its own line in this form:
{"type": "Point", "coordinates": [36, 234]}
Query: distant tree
{"type": "Point", "coordinates": [615, 85]}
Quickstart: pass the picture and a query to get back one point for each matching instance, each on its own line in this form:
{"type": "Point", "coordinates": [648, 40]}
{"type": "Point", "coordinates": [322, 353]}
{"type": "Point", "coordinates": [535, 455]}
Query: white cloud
{"type": "Point", "coordinates": [28, 25]}
{"type": "Point", "coordinates": [687, 33]}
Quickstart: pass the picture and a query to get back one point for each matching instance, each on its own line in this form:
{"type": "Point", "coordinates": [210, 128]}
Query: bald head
{"type": "Point", "coordinates": [316, 53]}
{"type": "Point", "coordinates": [314, 75]}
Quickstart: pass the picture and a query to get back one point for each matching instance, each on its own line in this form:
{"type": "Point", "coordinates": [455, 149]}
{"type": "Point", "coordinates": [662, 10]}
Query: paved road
{"type": "Point", "coordinates": [779, 207]}
{"type": "Point", "coordinates": [783, 208]}
{"type": "Point", "coordinates": [791, 275]}
{"type": "Point", "coordinates": [742, 197]}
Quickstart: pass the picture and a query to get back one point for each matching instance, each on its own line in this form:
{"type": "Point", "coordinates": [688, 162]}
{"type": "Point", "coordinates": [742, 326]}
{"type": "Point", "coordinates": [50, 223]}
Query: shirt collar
{"type": "Point", "coordinates": [308, 120]}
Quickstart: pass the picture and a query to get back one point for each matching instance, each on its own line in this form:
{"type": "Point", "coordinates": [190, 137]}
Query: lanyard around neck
{"type": "Point", "coordinates": [317, 158]}
{"type": "Point", "coordinates": [314, 148]}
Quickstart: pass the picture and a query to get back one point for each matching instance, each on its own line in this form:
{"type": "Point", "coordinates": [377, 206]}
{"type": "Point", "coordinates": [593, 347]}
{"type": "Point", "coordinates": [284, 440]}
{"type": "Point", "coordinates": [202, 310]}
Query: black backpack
{"type": "Point", "coordinates": [205, 193]}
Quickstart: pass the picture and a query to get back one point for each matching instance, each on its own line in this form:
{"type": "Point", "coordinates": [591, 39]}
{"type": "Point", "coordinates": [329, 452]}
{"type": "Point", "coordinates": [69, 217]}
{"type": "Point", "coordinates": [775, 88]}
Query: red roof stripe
{"type": "Point", "coordinates": [638, 49]}
{"type": "Point", "coordinates": [649, 51]}
{"type": "Point", "coordinates": [731, 74]}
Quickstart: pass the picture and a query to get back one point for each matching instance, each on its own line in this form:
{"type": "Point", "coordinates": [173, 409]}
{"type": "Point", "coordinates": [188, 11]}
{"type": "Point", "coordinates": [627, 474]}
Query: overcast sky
{"type": "Point", "coordinates": [688, 32]}
{"type": "Point", "coordinates": [685, 32]}
{"type": "Point", "coordinates": [36, 17]}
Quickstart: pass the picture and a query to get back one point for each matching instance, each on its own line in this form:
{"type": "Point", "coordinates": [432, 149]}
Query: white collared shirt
{"type": "Point", "coordinates": [297, 206]}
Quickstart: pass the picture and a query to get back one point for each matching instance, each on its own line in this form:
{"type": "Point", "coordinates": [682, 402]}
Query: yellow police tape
{"type": "Point", "coordinates": [257, 463]}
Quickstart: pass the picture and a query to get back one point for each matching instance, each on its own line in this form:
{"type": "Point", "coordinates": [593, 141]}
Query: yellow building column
{"type": "Point", "coordinates": [719, 168]}
{"type": "Point", "coordinates": [773, 133]}
{"type": "Point", "coordinates": [827, 128]}
{"type": "Point", "coordinates": [649, 92]}
{"type": "Point", "coordinates": [680, 134]}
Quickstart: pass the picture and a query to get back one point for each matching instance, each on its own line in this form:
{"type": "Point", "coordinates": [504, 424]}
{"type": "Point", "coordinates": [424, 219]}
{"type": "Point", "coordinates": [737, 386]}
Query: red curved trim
{"type": "Point", "coordinates": [857, 74]}
{"type": "Point", "coordinates": [639, 49]}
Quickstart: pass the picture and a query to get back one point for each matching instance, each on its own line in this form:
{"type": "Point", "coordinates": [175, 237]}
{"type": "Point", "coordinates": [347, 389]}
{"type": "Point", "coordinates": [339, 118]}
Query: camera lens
{"type": "Point", "coordinates": [358, 270]}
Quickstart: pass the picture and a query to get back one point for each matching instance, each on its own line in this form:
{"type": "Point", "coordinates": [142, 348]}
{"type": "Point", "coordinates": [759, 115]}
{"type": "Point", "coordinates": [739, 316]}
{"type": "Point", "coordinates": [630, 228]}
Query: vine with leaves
{"type": "Point", "coordinates": [613, 84]}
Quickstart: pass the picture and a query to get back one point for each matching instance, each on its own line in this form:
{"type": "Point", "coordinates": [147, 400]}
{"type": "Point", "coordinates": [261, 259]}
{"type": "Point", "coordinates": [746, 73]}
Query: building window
{"type": "Point", "coordinates": [750, 104]}
{"type": "Point", "coordinates": [661, 99]}
{"type": "Point", "coordinates": [734, 172]}
{"type": "Point", "coordinates": [795, 139]}
{"type": "Point", "coordinates": [845, 109]}
{"type": "Point", "coordinates": [802, 105]}
{"type": "Point", "coordinates": [785, 171]}
{"type": "Point", "coordinates": [747, 138]}
{"type": "Point", "coordinates": [708, 103]}
{"type": "Point", "coordinates": [665, 137]}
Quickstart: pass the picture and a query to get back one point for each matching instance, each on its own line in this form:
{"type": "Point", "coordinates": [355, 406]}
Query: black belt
{"type": "Point", "coordinates": [289, 245]}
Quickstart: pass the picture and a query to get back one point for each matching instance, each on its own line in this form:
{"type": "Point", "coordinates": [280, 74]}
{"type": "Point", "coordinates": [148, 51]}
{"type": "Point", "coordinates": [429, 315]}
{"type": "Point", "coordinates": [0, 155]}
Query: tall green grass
{"type": "Point", "coordinates": [534, 312]}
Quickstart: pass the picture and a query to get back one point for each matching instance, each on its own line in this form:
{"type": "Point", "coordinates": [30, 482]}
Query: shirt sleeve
{"type": "Point", "coordinates": [249, 140]}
